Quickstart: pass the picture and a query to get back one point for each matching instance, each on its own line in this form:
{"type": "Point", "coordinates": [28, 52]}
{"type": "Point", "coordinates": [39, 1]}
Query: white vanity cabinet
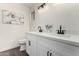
{"type": "Point", "coordinates": [41, 46]}
{"type": "Point", "coordinates": [31, 47]}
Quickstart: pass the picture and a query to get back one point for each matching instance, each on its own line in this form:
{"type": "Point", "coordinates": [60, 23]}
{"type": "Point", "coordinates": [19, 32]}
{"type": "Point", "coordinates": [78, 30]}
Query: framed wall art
{"type": "Point", "coordinates": [9, 17]}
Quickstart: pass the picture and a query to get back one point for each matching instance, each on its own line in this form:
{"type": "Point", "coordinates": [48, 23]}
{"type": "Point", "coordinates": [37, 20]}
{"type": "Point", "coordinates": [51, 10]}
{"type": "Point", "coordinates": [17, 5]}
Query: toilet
{"type": "Point", "coordinates": [22, 44]}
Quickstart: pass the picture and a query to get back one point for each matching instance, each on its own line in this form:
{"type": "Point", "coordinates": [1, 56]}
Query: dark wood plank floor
{"type": "Point", "coordinates": [14, 52]}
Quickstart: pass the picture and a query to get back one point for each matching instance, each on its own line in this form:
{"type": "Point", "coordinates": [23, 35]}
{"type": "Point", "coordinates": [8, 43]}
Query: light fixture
{"type": "Point", "coordinates": [42, 6]}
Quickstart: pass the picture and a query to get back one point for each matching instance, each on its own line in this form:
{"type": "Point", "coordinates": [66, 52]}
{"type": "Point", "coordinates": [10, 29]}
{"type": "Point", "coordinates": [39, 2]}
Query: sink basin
{"type": "Point", "coordinates": [60, 35]}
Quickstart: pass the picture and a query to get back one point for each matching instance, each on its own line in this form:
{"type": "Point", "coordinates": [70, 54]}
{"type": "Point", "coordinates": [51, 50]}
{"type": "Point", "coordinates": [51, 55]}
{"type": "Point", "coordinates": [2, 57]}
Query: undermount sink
{"type": "Point", "coordinates": [59, 35]}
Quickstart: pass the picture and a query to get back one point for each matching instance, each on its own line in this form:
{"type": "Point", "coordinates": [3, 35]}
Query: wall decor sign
{"type": "Point", "coordinates": [9, 17]}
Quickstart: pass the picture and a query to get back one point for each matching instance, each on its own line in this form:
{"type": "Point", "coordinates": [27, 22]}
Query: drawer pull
{"type": "Point", "coordinates": [29, 43]}
{"type": "Point", "coordinates": [47, 53]}
{"type": "Point", "coordinates": [50, 54]}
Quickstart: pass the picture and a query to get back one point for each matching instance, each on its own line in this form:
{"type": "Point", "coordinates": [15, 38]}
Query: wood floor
{"type": "Point", "coordinates": [14, 52]}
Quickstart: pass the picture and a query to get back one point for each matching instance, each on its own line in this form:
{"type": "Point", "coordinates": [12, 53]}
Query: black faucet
{"type": "Point", "coordinates": [40, 30]}
{"type": "Point", "coordinates": [60, 31]}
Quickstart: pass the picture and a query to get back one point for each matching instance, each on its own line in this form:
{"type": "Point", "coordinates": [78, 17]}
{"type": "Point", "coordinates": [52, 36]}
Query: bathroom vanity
{"type": "Point", "coordinates": [43, 44]}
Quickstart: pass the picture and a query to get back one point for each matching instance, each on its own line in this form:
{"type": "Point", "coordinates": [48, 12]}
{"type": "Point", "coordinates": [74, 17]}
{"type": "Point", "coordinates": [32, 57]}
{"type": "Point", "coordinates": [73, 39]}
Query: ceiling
{"type": "Point", "coordinates": [31, 5]}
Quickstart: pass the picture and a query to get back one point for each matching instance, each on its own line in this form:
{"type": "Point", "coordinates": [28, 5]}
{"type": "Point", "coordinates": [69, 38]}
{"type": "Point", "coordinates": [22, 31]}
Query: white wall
{"type": "Point", "coordinates": [10, 33]}
{"type": "Point", "coordinates": [66, 15]}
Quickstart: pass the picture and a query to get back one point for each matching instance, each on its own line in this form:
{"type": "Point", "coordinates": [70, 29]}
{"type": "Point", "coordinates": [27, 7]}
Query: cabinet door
{"type": "Point", "coordinates": [42, 50]}
{"type": "Point", "coordinates": [31, 47]}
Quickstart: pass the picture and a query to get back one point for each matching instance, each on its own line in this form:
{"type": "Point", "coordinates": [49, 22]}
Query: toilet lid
{"type": "Point", "coordinates": [22, 40]}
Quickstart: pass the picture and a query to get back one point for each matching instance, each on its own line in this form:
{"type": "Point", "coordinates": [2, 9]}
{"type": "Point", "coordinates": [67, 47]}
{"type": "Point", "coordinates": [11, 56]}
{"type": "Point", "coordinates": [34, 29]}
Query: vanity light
{"type": "Point", "coordinates": [42, 6]}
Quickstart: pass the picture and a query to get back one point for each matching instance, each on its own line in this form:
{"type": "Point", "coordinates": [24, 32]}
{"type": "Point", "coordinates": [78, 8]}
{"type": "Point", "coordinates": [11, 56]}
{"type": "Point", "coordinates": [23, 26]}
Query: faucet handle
{"type": "Point", "coordinates": [58, 32]}
{"type": "Point", "coordinates": [63, 31]}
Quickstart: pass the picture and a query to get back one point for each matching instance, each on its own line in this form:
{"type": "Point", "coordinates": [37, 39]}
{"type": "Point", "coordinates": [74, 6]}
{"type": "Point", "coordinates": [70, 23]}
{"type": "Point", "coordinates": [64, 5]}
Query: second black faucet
{"type": "Point", "coordinates": [60, 31]}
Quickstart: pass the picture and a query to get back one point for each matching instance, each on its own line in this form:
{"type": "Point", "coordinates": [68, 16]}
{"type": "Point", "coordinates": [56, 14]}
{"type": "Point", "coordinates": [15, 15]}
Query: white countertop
{"type": "Point", "coordinates": [67, 38]}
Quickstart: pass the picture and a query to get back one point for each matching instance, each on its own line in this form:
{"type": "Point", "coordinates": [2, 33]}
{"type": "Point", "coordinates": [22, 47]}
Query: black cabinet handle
{"type": "Point", "coordinates": [50, 54]}
{"type": "Point", "coordinates": [47, 53]}
{"type": "Point", "coordinates": [29, 42]}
